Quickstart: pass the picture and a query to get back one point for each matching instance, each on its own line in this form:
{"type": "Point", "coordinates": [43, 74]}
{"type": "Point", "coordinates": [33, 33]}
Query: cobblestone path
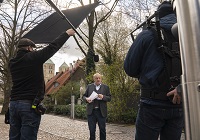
{"type": "Point", "coordinates": [63, 128]}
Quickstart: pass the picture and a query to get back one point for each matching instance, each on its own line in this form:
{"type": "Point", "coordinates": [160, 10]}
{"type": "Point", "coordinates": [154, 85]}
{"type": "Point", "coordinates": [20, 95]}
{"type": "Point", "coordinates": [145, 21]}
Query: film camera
{"type": "Point", "coordinates": [38, 106]}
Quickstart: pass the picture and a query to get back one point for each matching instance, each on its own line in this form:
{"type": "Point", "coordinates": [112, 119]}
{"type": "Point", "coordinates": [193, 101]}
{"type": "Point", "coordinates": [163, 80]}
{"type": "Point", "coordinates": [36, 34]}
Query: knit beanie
{"type": "Point", "coordinates": [165, 8]}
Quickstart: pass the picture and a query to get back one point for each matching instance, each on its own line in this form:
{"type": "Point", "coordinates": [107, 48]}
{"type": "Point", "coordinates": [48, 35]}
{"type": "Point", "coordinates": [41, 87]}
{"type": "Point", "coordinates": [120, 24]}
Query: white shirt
{"type": "Point", "coordinates": [98, 87]}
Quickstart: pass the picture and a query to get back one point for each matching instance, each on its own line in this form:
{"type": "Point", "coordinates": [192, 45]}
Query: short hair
{"type": "Point", "coordinates": [97, 74]}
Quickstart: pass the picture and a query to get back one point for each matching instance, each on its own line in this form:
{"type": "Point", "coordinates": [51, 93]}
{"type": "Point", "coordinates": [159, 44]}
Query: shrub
{"type": "Point", "coordinates": [61, 109]}
{"type": "Point", "coordinates": [80, 111]}
{"type": "Point", "coordinates": [127, 116]}
{"type": "Point", "coordinates": [49, 108]}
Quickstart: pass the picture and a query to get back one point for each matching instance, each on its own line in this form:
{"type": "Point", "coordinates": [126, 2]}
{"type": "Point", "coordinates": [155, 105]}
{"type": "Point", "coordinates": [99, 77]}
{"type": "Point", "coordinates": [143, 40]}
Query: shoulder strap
{"type": "Point", "coordinates": [171, 61]}
{"type": "Point", "coordinates": [163, 78]}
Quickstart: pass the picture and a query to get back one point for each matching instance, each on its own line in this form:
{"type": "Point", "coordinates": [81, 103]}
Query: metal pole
{"type": "Point", "coordinates": [72, 106]}
{"type": "Point", "coordinates": [55, 101]}
{"type": "Point", "coordinates": [145, 22]}
{"type": "Point", "coordinates": [188, 17]}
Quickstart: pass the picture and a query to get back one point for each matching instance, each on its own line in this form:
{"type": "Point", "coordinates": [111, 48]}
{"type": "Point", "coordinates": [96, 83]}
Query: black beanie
{"type": "Point", "coordinates": [165, 8]}
{"type": "Point", "coordinates": [25, 42]}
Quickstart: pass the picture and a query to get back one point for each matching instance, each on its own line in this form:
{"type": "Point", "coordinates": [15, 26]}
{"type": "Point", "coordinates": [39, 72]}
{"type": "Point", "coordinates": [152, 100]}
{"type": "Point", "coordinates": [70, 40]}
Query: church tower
{"type": "Point", "coordinates": [64, 67]}
{"type": "Point", "coordinates": [49, 70]}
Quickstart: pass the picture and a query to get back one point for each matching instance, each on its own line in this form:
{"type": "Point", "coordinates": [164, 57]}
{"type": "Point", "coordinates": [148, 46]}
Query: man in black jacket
{"type": "Point", "coordinates": [97, 95]}
{"type": "Point", "coordinates": [28, 86]}
{"type": "Point", "coordinates": [157, 115]}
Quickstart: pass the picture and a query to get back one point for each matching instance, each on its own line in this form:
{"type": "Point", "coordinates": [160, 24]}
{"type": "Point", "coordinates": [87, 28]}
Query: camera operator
{"type": "Point", "coordinates": [160, 112]}
{"type": "Point", "coordinates": [28, 86]}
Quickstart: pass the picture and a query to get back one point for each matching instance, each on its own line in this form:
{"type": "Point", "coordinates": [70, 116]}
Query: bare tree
{"type": "Point", "coordinates": [93, 21]}
{"type": "Point", "coordinates": [111, 38]}
{"type": "Point", "coordinates": [112, 44]}
{"type": "Point", "coordinates": [137, 10]}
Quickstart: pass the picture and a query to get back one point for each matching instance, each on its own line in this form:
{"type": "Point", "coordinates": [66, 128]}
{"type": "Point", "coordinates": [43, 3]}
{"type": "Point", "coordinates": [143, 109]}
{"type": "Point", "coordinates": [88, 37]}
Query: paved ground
{"type": "Point", "coordinates": [62, 128]}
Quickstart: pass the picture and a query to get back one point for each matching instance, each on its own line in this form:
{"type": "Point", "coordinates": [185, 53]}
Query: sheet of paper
{"type": "Point", "coordinates": [93, 96]}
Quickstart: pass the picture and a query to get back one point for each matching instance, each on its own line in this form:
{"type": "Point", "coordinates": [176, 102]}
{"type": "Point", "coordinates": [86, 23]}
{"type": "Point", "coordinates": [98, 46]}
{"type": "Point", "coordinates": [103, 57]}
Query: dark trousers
{"type": "Point", "coordinates": [24, 122]}
{"type": "Point", "coordinates": [153, 121]}
{"type": "Point", "coordinates": [94, 118]}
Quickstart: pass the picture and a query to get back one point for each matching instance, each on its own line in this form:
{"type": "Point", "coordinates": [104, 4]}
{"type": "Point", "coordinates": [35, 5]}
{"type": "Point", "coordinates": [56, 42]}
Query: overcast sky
{"type": "Point", "coordinates": [68, 55]}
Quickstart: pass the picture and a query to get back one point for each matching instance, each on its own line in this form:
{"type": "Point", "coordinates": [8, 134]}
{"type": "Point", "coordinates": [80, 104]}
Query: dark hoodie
{"type": "Point", "coordinates": [27, 70]}
{"type": "Point", "coordinates": [143, 60]}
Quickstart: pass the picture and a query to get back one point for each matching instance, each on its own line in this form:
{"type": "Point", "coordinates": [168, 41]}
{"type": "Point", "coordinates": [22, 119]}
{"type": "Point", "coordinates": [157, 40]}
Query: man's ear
{"type": "Point", "coordinates": [30, 48]}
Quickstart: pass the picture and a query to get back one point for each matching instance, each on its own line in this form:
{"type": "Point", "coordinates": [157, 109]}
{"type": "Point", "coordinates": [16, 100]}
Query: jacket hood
{"type": "Point", "coordinates": [168, 21]}
{"type": "Point", "coordinates": [166, 24]}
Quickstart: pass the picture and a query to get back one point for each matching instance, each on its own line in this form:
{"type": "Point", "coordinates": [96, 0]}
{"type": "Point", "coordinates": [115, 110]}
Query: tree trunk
{"type": "Point", "coordinates": [6, 102]}
{"type": "Point", "coordinates": [7, 90]}
{"type": "Point", "coordinates": [90, 65]}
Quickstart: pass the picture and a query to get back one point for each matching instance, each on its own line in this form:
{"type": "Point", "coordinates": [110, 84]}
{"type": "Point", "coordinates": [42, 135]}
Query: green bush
{"type": "Point", "coordinates": [57, 110]}
{"type": "Point", "coordinates": [112, 117]}
{"type": "Point", "coordinates": [127, 116]}
{"type": "Point", "coordinates": [61, 109]}
{"type": "Point", "coordinates": [65, 109]}
{"type": "Point", "coordinates": [49, 108]}
{"type": "Point", "coordinates": [80, 111]}
{"type": "Point", "coordinates": [63, 95]}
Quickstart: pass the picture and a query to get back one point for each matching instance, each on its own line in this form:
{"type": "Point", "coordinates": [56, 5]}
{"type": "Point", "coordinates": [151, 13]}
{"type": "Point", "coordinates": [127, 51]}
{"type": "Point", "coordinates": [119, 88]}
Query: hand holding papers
{"type": "Point", "coordinates": [100, 97]}
{"type": "Point", "coordinates": [93, 96]}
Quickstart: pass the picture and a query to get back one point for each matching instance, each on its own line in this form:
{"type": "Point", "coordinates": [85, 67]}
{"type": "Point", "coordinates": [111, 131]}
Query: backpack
{"type": "Point", "coordinates": [169, 78]}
